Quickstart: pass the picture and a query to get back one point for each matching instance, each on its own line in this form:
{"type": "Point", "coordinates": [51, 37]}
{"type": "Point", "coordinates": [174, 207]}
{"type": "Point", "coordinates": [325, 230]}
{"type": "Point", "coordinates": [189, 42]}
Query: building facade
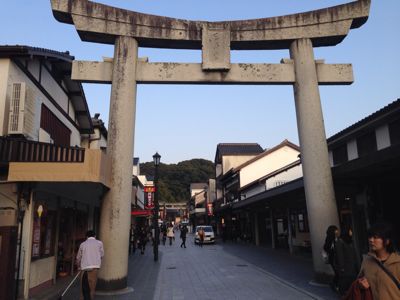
{"type": "Point", "coordinates": [51, 186]}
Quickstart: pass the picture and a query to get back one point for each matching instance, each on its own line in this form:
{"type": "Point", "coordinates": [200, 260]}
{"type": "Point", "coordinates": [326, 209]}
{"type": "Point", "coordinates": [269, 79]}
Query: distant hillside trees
{"type": "Point", "coordinates": [175, 179]}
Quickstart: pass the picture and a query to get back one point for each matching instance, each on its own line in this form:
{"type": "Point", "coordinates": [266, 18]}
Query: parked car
{"type": "Point", "coordinates": [209, 236]}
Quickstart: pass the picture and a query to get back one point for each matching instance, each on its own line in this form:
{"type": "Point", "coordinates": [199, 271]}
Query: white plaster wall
{"type": "Point", "coordinates": [218, 170]}
{"type": "Point", "coordinates": [219, 193]}
{"type": "Point", "coordinates": [233, 161]}
{"type": "Point", "coordinates": [54, 90]}
{"type": "Point", "coordinates": [34, 68]}
{"type": "Point", "coordinates": [41, 271]}
{"type": "Point", "coordinates": [135, 170]}
{"type": "Point", "coordinates": [352, 151]}
{"type": "Point", "coordinates": [330, 156]}
{"type": "Point", "coordinates": [71, 111]}
{"type": "Point", "coordinates": [16, 75]}
{"type": "Point", "coordinates": [267, 164]}
{"type": "Point", "coordinates": [97, 140]}
{"type": "Point", "coordinates": [8, 195]}
{"type": "Point", "coordinates": [285, 176]}
{"type": "Point", "coordinates": [382, 137]}
{"type": "Point", "coordinates": [4, 69]}
{"type": "Point", "coordinates": [254, 191]}
{"type": "Point", "coordinates": [140, 191]}
{"type": "Point", "coordinates": [195, 191]}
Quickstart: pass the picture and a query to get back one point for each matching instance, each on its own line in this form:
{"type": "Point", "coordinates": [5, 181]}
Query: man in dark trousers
{"type": "Point", "coordinates": [88, 259]}
{"type": "Point", "coordinates": [184, 231]}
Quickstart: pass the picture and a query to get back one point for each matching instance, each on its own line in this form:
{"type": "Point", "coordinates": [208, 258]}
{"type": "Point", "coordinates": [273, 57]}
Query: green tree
{"type": "Point", "coordinates": [175, 179]}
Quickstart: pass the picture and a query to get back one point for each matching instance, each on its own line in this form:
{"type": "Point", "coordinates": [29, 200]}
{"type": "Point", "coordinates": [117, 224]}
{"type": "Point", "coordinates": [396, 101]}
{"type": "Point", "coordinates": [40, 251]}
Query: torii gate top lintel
{"type": "Point", "coordinates": [100, 23]}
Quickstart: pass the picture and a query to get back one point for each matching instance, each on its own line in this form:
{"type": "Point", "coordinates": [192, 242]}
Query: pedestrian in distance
{"type": "Point", "coordinates": [201, 236]}
{"type": "Point", "coordinates": [164, 233]}
{"type": "Point", "coordinates": [142, 236]}
{"type": "Point", "coordinates": [170, 233]}
{"type": "Point", "coordinates": [345, 260]}
{"type": "Point", "coordinates": [332, 234]}
{"type": "Point", "coordinates": [132, 240]}
{"type": "Point", "coordinates": [380, 269]}
{"type": "Point", "coordinates": [184, 231]}
{"type": "Point", "coordinates": [88, 259]}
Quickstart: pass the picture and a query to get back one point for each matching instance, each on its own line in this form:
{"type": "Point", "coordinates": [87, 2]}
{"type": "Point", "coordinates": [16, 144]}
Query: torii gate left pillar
{"type": "Point", "coordinates": [116, 207]}
{"type": "Point", "coordinates": [126, 29]}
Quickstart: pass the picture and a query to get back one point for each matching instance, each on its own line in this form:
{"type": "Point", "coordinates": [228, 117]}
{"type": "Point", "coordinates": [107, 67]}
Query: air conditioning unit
{"type": "Point", "coordinates": [21, 119]}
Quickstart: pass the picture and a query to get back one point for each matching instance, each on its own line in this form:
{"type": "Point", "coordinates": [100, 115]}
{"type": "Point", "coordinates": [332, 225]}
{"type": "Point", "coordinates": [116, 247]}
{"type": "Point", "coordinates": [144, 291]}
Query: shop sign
{"type": "Point", "coordinates": [210, 209]}
{"type": "Point", "coordinates": [149, 201]}
{"type": "Point", "coordinates": [149, 189]}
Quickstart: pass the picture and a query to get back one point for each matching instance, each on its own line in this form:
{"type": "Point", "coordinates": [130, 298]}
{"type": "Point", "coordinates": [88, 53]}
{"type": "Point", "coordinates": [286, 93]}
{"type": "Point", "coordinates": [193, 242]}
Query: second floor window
{"type": "Point", "coordinates": [340, 155]}
{"type": "Point", "coordinates": [394, 132]}
{"type": "Point", "coordinates": [366, 144]}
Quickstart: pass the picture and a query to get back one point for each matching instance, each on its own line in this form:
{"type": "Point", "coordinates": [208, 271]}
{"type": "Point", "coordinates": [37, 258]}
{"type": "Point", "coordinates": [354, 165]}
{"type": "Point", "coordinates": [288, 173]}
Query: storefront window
{"type": "Point", "coordinates": [302, 222]}
{"type": "Point", "coordinates": [43, 232]}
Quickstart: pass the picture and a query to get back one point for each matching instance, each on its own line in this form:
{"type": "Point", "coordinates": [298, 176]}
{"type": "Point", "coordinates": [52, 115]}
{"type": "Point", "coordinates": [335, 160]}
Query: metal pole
{"type": "Point", "coordinates": [155, 216]}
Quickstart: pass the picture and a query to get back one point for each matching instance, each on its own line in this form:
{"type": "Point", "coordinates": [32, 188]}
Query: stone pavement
{"type": "Point", "coordinates": [221, 271]}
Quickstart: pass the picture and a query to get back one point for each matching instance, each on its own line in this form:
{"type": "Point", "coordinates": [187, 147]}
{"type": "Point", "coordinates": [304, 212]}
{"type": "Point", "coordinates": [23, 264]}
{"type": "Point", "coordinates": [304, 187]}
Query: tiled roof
{"type": "Point", "coordinates": [390, 108]}
{"type": "Point", "coordinates": [14, 50]}
{"type": "Point", "coordinates": [237, 149]}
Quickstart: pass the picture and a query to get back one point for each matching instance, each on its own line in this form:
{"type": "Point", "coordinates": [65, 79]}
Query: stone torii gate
{"type": "Point", "coordinates": [128, 30]}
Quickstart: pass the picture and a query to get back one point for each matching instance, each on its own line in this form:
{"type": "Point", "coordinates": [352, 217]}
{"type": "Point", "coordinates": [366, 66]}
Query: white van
{"type": "Point", "coordinates": [209, 236]}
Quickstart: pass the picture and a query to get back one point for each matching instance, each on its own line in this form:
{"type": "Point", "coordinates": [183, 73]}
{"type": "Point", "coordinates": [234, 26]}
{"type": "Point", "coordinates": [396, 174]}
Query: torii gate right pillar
{"type": "Point", "coordinates": [318, 183]}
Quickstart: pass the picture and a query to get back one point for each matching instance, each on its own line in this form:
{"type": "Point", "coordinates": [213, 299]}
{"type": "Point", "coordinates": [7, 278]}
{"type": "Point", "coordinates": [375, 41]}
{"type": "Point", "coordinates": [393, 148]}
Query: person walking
{"type": "Point", "coordinates": [345, 260]}
{"type": "Point", "coordinates": [164, 233]}
{"type": "Point", "coordinates": [142, 236]}
{"type": "Point", "coordinates": [380, 269]}
{"type": "Point", "coordinates": [88, 259]}
{"type": "Point", "coordinates": [170, 233]}
{"type": "Point", "coordinates": [201, 236]}
{"type": "Point", "coordinates": [184, 231]}
{"type": "Point", "coordinates": [332, 234]}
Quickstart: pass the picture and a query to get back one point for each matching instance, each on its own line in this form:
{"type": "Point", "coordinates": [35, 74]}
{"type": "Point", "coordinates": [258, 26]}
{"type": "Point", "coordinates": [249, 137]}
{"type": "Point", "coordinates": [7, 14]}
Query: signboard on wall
{"type": "Point", "coordinates": [149, 200]}
{"type": "Point", "coordinates": [210, 209]}
{"type": "Point", "coordinates": [36, 238]}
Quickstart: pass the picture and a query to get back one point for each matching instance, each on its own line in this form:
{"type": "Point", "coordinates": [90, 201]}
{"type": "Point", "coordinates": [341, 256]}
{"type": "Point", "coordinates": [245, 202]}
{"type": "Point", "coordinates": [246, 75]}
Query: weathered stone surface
{"type": "Point", "coordinates": [116, 204]}
{"type": "Point", "coordinates": [216, 50]}
{"type": "Point", "coordinates": [97, 22]}
{"type": "Point", "coordinates": [318, 184]}
{"type": "Point", "coordinates": [170, 73]}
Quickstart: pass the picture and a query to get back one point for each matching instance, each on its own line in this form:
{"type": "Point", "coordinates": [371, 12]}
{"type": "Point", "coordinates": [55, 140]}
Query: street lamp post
{"type": "Point", "coordinates": [156, 159]}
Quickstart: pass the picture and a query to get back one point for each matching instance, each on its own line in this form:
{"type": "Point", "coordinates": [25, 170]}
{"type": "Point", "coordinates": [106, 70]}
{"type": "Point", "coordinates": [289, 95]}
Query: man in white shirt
{"type": "Point", "coordinates": [88, 259]}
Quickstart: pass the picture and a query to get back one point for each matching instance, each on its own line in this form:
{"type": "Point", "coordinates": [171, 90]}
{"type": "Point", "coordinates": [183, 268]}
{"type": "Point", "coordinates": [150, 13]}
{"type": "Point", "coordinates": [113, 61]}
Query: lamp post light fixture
{"type": "Point", "coordinates": [156, 159]}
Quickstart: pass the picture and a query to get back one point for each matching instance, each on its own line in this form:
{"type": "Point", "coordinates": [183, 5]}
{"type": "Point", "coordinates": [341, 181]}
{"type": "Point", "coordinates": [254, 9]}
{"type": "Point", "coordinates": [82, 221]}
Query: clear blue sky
{"type": "Point", "coordinates": [184, 121]}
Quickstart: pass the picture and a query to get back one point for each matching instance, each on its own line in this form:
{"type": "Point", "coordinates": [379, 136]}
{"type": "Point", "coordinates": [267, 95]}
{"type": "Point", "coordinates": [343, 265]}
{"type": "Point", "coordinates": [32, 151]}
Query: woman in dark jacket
{"type": "Point", "coordinates": [332, 233]}
{"type": "Point", "coordinates": [345, 260]}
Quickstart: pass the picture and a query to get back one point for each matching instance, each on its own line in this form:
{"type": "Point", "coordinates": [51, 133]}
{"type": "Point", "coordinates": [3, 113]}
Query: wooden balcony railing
{"type": "Point", "coordinates": [13, 150]}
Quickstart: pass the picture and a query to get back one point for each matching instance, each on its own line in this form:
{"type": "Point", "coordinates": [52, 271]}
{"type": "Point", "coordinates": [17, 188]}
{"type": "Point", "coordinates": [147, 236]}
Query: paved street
{"type": "Point", "coordinates": [221, 271]}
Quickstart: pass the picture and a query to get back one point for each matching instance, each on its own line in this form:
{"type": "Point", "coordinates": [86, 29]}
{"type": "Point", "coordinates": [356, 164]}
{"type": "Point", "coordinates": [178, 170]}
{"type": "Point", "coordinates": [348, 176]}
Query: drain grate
{"type": "Point", "coordinates": [241, 265]}
{"type": "Point", "coordinates": [171, 268]}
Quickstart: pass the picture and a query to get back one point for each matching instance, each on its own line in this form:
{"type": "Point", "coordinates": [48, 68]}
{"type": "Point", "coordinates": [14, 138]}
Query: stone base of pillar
{"type": "Point", "coordinates": [111, 285]}
{"type": "Point", "coordinates": [124, 291]}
